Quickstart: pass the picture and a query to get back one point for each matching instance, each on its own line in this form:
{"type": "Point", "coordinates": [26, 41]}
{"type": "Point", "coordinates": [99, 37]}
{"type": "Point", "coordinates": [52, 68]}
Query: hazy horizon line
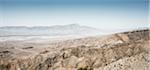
{"type": "Point", "coordinates": [75, 24]}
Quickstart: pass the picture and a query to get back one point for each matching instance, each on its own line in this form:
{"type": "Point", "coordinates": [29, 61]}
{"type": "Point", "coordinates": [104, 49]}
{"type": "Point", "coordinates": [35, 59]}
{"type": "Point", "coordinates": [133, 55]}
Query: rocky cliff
{"type": "Point", "coordinates": [121, 51]}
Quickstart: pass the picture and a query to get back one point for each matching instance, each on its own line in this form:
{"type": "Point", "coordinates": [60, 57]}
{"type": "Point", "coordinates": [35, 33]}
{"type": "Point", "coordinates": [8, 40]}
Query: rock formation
{"type": "Point", "coordinates": [121, 51]}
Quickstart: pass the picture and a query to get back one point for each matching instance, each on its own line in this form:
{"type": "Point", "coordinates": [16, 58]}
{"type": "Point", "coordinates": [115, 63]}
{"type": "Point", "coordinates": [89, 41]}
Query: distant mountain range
{"type": "Point", "coordinates": [57, 30]}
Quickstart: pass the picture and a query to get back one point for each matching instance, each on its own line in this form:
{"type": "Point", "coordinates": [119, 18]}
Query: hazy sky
{"type": "Point", "coordinates": [95, 13]}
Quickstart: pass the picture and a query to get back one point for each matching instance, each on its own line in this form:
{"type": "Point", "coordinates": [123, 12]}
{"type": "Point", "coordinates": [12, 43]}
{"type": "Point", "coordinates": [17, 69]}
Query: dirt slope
{"type": "Point", "coordinates": [122, 51]}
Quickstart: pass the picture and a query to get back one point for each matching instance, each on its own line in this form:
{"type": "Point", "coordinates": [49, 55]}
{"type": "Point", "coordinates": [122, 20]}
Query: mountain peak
{"type": "Point", "coordinates": [70, 29]}
{"type": "Point", "coordinates": [73, 24]}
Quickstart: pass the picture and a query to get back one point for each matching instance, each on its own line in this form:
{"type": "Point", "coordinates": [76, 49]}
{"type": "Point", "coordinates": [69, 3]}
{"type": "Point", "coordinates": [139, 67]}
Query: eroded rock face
{"type": "Point", "coordinates": [123, 51]}
{"type": "Point", "coordinates": [139, 35]}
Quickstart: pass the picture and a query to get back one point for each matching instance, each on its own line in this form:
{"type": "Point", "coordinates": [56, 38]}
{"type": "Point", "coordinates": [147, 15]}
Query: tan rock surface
{"type": "Point", "coordinates": [122, 51]}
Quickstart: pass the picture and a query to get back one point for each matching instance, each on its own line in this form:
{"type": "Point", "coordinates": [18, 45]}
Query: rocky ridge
{"type": "Point", "coordinates": [121, 51]}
